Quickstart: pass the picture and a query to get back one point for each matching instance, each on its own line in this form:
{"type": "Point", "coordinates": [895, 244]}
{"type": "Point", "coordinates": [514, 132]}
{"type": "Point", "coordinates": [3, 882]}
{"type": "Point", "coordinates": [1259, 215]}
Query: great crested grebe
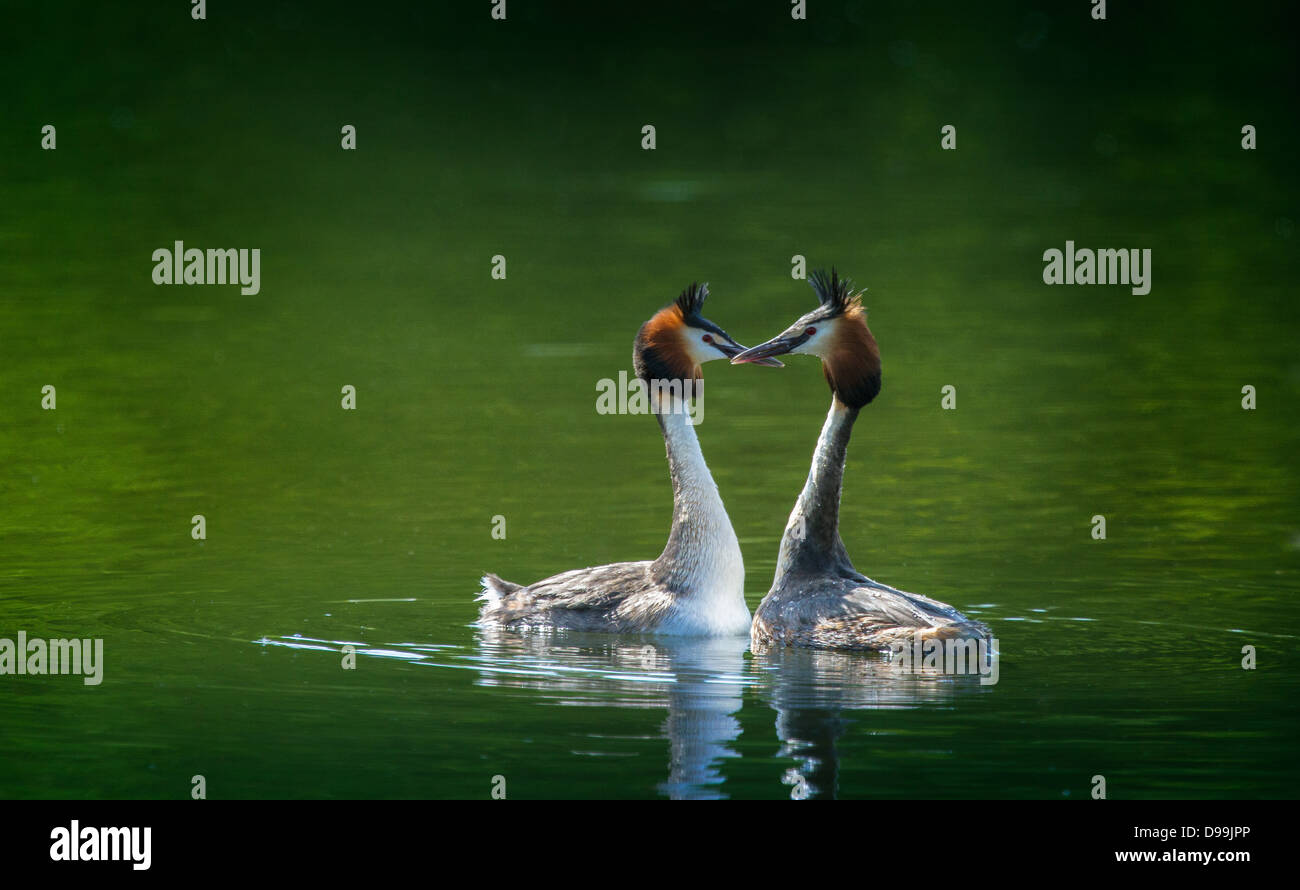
{"type": "Point", "coordinates": [696, 586]}
{"type": "Point", "coordinates": [818, 599]}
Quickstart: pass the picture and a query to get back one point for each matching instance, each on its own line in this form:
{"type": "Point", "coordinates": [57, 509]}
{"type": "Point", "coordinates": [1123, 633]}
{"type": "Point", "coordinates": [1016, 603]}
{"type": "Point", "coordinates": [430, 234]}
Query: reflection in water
{"type": "Point", "coordinates": [699, 682]}
{"type": "Point", "coordinates": [810, 691]}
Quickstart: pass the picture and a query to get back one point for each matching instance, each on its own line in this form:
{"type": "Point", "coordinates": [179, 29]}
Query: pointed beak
{"type": "Point", "coordinates": [733, 350]}
{"type": "Point", "coordinates": [763, 352]}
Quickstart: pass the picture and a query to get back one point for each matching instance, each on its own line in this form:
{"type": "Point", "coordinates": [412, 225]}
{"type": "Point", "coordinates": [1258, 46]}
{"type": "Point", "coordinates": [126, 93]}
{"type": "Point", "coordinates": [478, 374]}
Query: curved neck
{"type": "Point", "coordinates": [702, 543]}
{"type": "Point", "coordinates": [812, 536]}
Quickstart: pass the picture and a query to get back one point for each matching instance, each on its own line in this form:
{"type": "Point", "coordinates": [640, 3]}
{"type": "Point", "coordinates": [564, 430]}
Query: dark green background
{"type": "Point", "coordinates": [476, 397]}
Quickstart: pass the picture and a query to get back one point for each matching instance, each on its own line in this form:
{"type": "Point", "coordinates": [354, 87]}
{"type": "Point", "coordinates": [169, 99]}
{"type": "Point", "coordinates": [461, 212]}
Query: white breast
{"type": "Point", "coordinates": [708, 565]}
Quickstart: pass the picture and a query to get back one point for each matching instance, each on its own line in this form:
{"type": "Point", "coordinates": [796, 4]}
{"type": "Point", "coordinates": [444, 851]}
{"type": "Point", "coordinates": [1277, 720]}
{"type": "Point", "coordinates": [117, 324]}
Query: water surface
{"type": "Point", "coordinates": [476, 398]}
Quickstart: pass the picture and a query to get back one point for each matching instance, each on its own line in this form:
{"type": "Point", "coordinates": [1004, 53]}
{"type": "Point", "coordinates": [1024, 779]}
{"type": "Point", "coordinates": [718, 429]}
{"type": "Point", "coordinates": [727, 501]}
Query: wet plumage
{"type": "Point", "coordinates": [696, 586]}
{"type": "Point", "coordinates": [818, 599]}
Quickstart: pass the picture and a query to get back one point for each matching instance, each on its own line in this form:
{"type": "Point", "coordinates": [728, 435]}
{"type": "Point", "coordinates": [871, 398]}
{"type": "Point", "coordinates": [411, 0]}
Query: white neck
{"type": "Point", "coordinates": [811, 542]}
{"type": "Point", "coordinates": [701, 563]}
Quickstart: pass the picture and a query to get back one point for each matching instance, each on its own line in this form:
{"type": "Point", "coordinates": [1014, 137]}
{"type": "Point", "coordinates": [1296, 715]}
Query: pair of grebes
{"type": "Point", "coordinates": [818, 599]}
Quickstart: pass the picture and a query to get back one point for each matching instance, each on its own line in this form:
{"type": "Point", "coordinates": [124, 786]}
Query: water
{"type": "Point", "coordinates": [476, 398]}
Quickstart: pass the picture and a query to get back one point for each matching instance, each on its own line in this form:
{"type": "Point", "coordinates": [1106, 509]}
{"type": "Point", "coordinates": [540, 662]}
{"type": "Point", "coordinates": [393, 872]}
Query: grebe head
{"type": "Point", "coordinates": [678, 339]}
{"type": "Point", "coordinates": [837, 333]}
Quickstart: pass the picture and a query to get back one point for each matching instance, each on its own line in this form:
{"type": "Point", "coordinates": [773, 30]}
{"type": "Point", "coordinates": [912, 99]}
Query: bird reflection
{"type": "Point", "coordinates": [813, 692]}
{"type": "Point", "coordinates": [700, 682]}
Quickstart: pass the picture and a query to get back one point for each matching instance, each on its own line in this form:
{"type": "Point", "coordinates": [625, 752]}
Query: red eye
{"type": "Point", "coordinates": [810, 331]}
{"type": "Point", "coordinates": [708, 338]}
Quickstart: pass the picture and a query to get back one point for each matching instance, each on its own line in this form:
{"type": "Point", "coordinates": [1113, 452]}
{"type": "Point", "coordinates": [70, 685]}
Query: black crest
{"type": "Point", "coordinates": [691, 300]}
{"type": "Point", "coordinates": [836, 293]}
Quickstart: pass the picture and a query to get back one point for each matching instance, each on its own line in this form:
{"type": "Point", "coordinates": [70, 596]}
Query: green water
{"type": "Point", "coordinates": [476, 397]}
